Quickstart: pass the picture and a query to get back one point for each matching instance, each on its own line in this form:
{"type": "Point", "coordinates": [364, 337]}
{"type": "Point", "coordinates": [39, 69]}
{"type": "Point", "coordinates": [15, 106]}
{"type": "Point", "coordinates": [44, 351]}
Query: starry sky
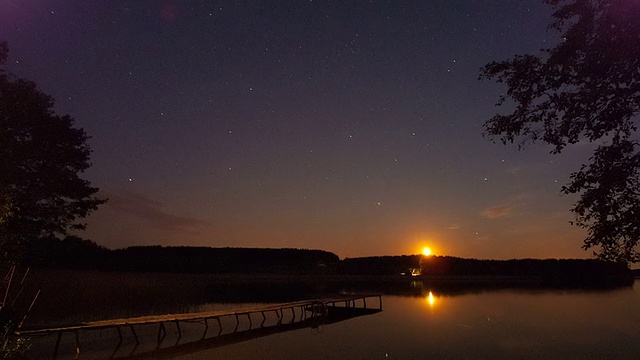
{"type": "Point", "coordinates": [348, 126]}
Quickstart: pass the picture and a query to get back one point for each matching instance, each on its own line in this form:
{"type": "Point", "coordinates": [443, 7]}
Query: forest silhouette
{"type": "Point", "coordinates": [75, 253]}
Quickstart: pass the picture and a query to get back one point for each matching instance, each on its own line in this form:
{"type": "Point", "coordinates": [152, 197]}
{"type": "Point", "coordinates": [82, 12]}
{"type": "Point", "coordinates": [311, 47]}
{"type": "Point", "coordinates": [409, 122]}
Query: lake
{"type": "Point", "coordinates": [497, 324]}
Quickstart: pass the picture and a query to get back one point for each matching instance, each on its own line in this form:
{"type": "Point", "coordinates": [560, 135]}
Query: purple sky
{"type": "Point", "coordinates": [353, 127]}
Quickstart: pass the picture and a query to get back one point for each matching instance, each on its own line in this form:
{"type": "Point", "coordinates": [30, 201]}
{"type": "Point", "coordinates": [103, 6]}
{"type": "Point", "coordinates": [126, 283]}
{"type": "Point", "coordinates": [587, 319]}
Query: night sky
{"type": "Point", "coordinates": [349, 126]}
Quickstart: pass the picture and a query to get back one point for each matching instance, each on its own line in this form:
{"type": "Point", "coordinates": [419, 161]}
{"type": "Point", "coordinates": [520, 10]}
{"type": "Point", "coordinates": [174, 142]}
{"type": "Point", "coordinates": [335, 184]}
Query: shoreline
{"type": "Point", "coordinates": [71, 296]}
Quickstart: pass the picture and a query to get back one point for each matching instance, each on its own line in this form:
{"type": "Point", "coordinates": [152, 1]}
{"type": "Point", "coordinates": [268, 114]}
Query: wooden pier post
{"type": "Point", "coordinates": [162, 330]}
{"type": "Point", "coordinates": [135, 335]}
{"type": "Point", "coordinates": [219, 325]}
{"type": "Point", "coordinates": [206, 327]}
{"type": "Point", "coordinates": [179, 330]}
{"type": "Point", "coordinates": [119, 335]}
{"type": "Point", "coordinates": [77, 342]}
{"type": "Point", "coordinates": [57, 347]}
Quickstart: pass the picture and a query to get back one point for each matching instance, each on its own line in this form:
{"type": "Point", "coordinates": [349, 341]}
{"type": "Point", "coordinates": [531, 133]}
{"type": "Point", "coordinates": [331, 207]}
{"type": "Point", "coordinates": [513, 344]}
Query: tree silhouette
{"type": "Point", "coordinates": [41, 155]}
{"type": "Point", "coordinates": [587, 88]}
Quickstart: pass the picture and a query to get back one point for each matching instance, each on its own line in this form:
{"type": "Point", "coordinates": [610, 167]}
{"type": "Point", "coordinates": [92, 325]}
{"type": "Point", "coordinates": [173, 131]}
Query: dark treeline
{"type": "Point", "coordinates": [379, 265]}
{"type": "Point", "coordinates": [448, 265]}
{"type": "Point", "coordinates": [75, 253]}
{"type": "Point", "coordinates": [549, 271]}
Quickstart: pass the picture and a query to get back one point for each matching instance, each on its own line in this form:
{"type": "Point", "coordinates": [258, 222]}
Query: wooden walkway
{"type": "Point", "coordinates": [307, 309]}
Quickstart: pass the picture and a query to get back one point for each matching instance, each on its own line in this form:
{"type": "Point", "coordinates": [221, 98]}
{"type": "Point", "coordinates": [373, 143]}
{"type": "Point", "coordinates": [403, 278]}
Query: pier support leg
{"type": "Point", "coordinates": [162, 332]}
{"type": "Point", "coordinates": [219, 326]}
{"type": "Point", "coordinates": [135, 335]}
{"type": "Point", "coordinates": [77, 342]}
{"type": "Point", "coordinates": [120, 339]}
{"type": "Point", "coordinates": [119, 336]}
{"type": "Point", "coordinates": [206, 327]}
{"type": "Point", "coordinates": [237, 324]}
{"type": "Point", "coordinates": [57, 347]}
{"type": "Point", "coordinates": [179, 332]}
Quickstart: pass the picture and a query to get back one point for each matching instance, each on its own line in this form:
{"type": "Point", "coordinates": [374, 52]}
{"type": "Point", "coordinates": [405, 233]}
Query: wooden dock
{"type": "Point", "coordinates": [300, 310]}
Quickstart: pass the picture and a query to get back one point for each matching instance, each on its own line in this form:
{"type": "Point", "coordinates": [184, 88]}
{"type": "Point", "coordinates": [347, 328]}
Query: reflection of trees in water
{"type": "Point", "coordinates": [457, 286]}
{"type": "Point", "coordinates": [104, 295]}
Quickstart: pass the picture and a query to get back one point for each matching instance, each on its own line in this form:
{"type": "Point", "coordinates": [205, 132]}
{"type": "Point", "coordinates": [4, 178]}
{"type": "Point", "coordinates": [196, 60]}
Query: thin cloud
{"type": "Point", "coordinates": [154, 212]}
{"type": "Point", "coordinates": [498, 212]}
{"type": "Point", "coordinates": [508, 208]}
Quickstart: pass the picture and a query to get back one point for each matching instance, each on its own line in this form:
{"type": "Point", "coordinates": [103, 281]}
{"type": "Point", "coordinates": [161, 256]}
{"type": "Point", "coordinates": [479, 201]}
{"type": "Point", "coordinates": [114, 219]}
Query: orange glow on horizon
{"type": "Point", "coordinates": [426, 251]}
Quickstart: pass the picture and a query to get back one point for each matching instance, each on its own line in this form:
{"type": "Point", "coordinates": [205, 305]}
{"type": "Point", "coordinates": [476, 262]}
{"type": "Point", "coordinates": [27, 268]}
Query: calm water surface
{"type": "Point", "coordinates": [501, 324]}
